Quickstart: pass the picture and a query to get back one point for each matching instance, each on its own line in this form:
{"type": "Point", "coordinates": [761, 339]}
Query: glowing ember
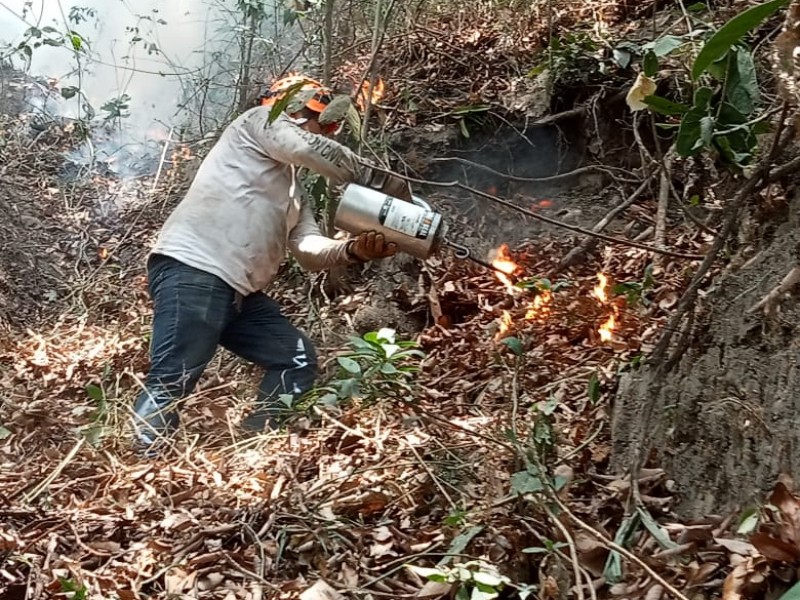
{"type": "Point", "coordinates": [540, 307]}
{"type": "Point", "coordinates": [599, 290]}
{"type": "Point", "coordinates": [606, 330]}
{"type": "Point", "coordinates": [504, 266]}
{"type": "Point", "coordinates": [363, 94]}
{"type": "Point", "coordinates": [505, 323]}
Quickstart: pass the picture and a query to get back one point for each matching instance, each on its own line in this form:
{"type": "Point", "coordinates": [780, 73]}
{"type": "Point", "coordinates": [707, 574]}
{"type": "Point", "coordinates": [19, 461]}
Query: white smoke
{"type": "Point", "coordinates": [173, 64]}
{"type": "Point", "coordinates": [152, 51]}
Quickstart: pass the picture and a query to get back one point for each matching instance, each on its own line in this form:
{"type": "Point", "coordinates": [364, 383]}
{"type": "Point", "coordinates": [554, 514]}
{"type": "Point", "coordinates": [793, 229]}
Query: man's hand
{"type": "Point", "coordinates": [370, 245]}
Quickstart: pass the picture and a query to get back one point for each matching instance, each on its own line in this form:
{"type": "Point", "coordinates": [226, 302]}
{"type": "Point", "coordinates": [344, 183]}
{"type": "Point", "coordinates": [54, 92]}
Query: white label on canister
{"type": "Point", "coordinates": [403, 216]}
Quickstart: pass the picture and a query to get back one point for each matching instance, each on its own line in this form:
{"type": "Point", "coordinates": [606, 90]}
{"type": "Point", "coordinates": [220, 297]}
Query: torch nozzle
{"type": "Point", "coordinates": [461, 252]}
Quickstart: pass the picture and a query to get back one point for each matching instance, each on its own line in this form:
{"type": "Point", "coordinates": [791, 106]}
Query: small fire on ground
{"type": "Point", "coordinates": [505, 268]}
{"type": "Point", "coordinates": [600, 291]}
{"type": "Point", "coordinates": [377, 93]}
{"type": "Point", "coordinates": [540, 306]}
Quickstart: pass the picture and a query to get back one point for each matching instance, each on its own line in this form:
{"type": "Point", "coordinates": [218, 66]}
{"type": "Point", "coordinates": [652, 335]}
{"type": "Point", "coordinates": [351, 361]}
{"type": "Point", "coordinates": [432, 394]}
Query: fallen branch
{"type": "Point", "coordinates": [609, 544]}
{"type": "Point", "coordinates": [56, 472]}
{"type": "Point", "coordinates": [548, 220]}
{"type": "Point", "coordinates": [664, 190]}
{"type": "Point", "coordinates": [576, 255]}
{"type": "Point", "coordinates": [768, 302]}
{"type": "Point", "coordinates": [557, 177]}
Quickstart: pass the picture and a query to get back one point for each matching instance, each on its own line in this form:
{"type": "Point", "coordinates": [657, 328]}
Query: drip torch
{"type": "Point", "coordinates": [413, 226]}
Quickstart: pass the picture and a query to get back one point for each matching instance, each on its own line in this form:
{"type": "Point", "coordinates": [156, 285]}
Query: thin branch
{"type": "Point", "coordinates": [548, 220]}
{"type": "Point", "coordinates": [617, 548]}
{"type": "Point", "coordinates": [557, 177]}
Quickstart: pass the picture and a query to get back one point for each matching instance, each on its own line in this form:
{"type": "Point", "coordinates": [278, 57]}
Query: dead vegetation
{"type": "Point", "coordinates": [494, 457]}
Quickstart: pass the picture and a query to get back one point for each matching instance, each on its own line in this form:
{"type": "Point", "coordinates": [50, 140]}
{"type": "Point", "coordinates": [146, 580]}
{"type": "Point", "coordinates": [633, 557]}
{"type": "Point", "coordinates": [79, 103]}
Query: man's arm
{"type": "Point", "coordinates": [288, 143]}
{"type": "Point", "coordinates": [313, 250]}
{"type": "Point", "coordinates": [316, 252]}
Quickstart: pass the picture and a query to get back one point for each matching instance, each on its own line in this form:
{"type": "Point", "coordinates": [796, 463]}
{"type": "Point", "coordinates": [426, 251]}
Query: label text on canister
{"type": "Point", "coordinates": [406, 218]}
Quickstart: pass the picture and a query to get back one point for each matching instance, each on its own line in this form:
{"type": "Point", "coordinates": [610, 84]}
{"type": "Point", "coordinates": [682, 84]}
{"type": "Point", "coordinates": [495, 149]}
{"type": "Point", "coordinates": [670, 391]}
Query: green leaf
{"type": "Point", "coordinates": [594, 388]}
{"type": "Point", "coordinates": [329, 399]}
{"type": "Point", "coordinates": [665, 45]}
{"type": "Point", "coordinates": [354, 120]}
{"type": "Point", "coordinates": [463, 125]}
{"type": "Point", "coordinates": [536, 550]}
{"type": "Point", "coordinates": [465, 110]}
{"type": "Point", "coordinates": [707, 130]}
{"type": "Point", "coordinates": [69, 92]}
{"type": "Point", "coordinates": [732, 32]}
{"type": "Point", "coordinates": [428, 573]}
{"type": "Point", "coordinates": [95, 393]}
{"type": "Point", "coordinates": [77, 41]}
{"type": "Point", "coordinates": [483, 592]}
{"type": "Point", "coordinates": [690, 134]}
{"type": "Point", "coordinates": [622, 57]}
{"type": "Point", "coordinates": [460, 543]}
{"type": "Point", "coordinates": [4, 433]}
{"type": "Point", "coordinates": [388, 369]}
{"type": "Point", "coordinates": [655, 530]}
{"type": "Point", "coordinates": [336, 111]}
{"type": "Point", "coordinates": [349, 365]}
{"type": "Point", "coordinates": [283, 103]}
{"type": "Point", "coordinates": [524, 482]}
{"type": "Point", "coordinates": [749, 523]}
{"type": "Point", "coordinates": [514, 344]}
{"type": "Point", "coordinates": [491, 580]}
{"type": "Point", "coordinates": [665, 107]}
{"type": "Point", "coordinates": [793, 593]}
{"type": "Point", "coordinates": [650, 64]}
{"type": "Point", "coordinates": [741, 87]}
{"type": "Point", "coordinates": [613, 568]}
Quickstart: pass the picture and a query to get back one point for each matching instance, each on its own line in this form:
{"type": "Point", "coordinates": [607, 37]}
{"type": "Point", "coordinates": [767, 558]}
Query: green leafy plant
{"type": "Point", "coordinates": [572, 58]}
{"type": "Point", "coordinates": [548, 547]}
{"type": "Point", "coordinates": [724, 115]}
{"type": "Point", "coordinates": [375, 365]}
{"type": "Point", "coordinates": [116, 108]}
{"type": "Point", "coordinates": [473, 580]}
{"type": "Point", "coordinates": [635, 292]}
{"type": "Point", "coordinates": [73, 590]}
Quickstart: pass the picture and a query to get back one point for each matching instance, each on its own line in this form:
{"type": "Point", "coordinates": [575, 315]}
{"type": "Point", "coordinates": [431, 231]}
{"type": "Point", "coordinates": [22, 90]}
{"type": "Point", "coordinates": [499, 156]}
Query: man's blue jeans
{"type": "Point", "coordinates": [193, 313]}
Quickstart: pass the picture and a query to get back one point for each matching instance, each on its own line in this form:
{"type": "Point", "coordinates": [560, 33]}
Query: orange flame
{"type": "Point", "coordinates": [606, 330]}
{"type": "Point", "coordinates": [504, 266]}
{"type": "Point", "coordinates": [377, 93]}
{"type": "Point", "coordinates": [505, 323]}
{"type": "Point", "coordinates": [599, 290]}
{"type": "Point", "coordinates": [540, 307]}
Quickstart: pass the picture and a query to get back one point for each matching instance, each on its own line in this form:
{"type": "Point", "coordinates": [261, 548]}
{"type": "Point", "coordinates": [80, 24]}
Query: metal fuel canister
{"type": "Point", "coordinates": [414, 226]}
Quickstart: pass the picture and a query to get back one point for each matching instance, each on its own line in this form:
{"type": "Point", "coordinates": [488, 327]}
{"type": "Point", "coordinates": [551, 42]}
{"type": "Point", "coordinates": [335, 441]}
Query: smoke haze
{"type": "Point", "coordinates": [176, 38]}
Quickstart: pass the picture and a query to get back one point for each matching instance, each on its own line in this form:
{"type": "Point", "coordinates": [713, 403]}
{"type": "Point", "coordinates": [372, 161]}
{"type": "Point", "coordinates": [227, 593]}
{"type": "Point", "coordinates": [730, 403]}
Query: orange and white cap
{"type": "Point", "coordinates": [321, 98]}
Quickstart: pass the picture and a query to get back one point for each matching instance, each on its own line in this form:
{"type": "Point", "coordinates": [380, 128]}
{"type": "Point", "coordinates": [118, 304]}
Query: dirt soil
{"type": "Point", "coordinates": [728, 407]}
